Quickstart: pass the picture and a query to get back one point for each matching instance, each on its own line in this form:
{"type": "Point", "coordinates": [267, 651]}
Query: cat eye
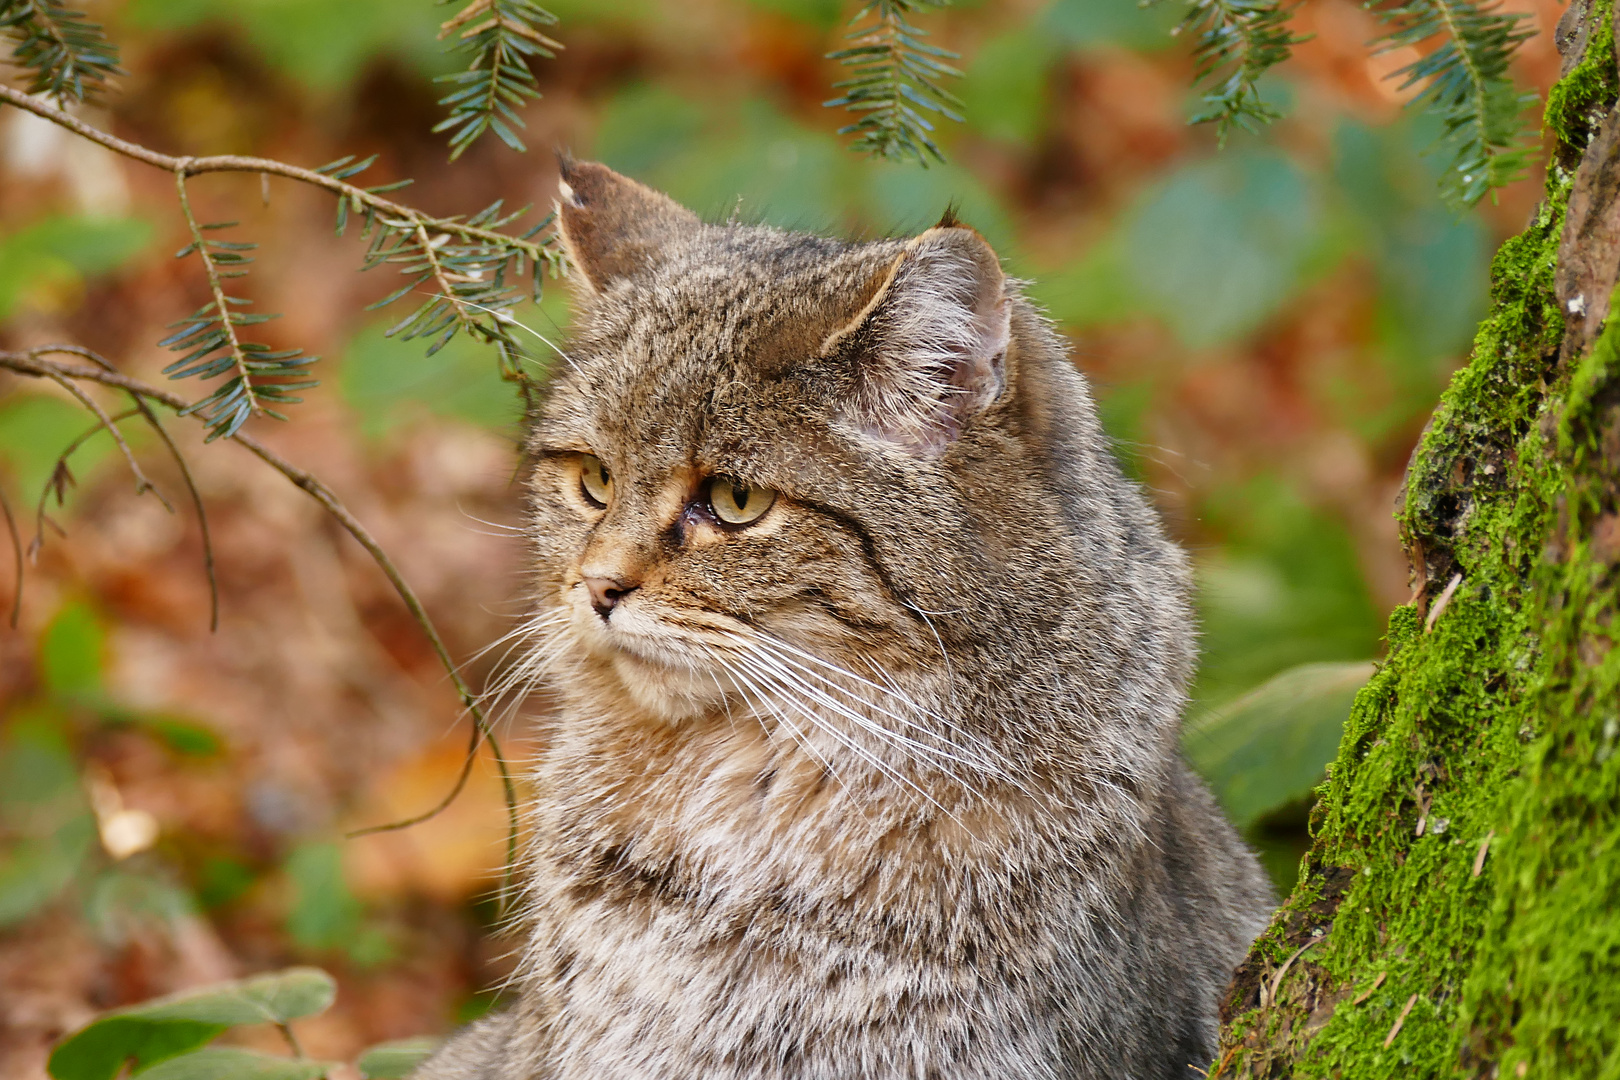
{"type": "Point", "coordinates": [738, 504]}
{"type": "Point", "coordinates": [595, 481]}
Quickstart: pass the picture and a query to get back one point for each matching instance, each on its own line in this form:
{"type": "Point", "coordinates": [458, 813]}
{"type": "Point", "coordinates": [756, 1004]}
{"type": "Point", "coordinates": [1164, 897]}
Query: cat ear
{"type": "Point", "coordinates": [612, 226]}
{"type": "Point", "coordinates": [929, 350]}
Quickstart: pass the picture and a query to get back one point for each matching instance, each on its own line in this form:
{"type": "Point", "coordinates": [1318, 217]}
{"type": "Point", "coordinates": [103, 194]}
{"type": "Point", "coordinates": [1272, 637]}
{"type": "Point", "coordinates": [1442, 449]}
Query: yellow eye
{"type": "Point", "coordinates": [738, 504]}
{"type": "Point", "coordinates": [595, 482]}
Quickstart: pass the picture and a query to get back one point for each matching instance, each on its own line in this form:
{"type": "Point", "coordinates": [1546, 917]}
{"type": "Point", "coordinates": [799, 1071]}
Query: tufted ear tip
{"type": "Point", "coordinates": [929, 351]}
{"type": "Point", "coordinates": [611, 226]}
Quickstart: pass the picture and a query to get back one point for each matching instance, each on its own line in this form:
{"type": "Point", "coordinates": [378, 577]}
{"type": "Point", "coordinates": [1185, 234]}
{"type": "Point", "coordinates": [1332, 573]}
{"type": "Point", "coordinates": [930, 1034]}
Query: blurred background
{"type": "Point", "coordinates": [1267, 327]}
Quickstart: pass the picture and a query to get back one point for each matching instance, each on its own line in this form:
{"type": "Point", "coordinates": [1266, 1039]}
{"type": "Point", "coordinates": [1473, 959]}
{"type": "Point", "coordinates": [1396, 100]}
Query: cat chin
{"type": "Point", "coordinates": [654, 676]}
{"type": "Point", "coordinates": [670, 694]}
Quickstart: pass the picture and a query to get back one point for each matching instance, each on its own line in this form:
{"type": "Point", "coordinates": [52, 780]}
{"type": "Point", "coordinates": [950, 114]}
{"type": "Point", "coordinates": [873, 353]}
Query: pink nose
{"type": "Point", "coordinates": [606, 593]}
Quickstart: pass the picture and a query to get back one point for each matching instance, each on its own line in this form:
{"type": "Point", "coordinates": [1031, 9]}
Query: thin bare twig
{"type": "Point", "coordinates": [36, 366]}
{"type": "Point", "coordinates": [156, 425]}
{"type": "Point", "coordinates": [162, 432]}
{"type": "Point", "coordinates": [142, 483]}
{"type": "Point", "coordinates": [17, 553]}
{"type": "Point", "coordinates": [194, 166]}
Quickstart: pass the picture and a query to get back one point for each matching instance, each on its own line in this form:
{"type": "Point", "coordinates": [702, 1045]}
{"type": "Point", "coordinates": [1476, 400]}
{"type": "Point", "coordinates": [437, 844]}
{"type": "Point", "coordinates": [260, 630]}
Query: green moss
{"type": "Point", "coordinates": [1487, 740]}
{"type": "Point", "coordinates": [1577, 103]}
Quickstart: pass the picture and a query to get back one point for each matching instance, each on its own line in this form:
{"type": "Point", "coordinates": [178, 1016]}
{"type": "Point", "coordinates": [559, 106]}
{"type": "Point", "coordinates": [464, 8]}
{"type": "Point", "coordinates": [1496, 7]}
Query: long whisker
{"type": "Point", "coordinates": [789, 670]}
{"type": "Point", "coordinates": [504, 315]}
{"type": "Point", "coordinates": [977, 755]}
{"type": "Point", "coordinates": [766, 708]}
{"type": "Point", "coordinates": [772, 679]}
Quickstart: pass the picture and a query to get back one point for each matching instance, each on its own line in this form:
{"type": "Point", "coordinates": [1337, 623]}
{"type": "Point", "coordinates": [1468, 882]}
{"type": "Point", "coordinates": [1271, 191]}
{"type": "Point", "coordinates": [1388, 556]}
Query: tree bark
{"type": "Point", "coordinates": [1459, 911]}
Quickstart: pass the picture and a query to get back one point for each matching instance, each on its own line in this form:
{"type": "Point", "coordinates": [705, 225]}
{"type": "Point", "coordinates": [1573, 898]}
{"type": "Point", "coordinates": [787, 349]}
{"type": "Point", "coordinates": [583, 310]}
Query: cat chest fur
{"type": "Point", "coordinates": [789, 961]}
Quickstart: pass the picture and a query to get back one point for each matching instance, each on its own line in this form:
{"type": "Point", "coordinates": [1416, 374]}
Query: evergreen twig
{"type": "Point", "coordinates": [212, 345]}
{"type": "Point", "coordinates": [1235, 43]}
{"type": "Point", "coordinates": [501, 36]}
{"type": "Point", "coordinates": [896, 81]}
{"type": "Point", "coordinates": [1467, 83]}
{"type": "Point", "coordinates": [474, 264]}
{"type": "Point", "coordinates": [69, 58]}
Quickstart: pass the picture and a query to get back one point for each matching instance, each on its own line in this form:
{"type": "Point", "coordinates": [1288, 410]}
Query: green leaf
{"type": "Point", "coordinates": [34, 430]}
{"type": "Point", "coordinates": [42, 811]}
{"type": "Point", "coordinates": [230, 1063]}
{"type": "Point", "coordinates": [325, 913]}
{"type": "Point", "coordinates": [395, 1060]}
{"type": "Point", "coordinates": [182, 736]}
{"type": "Point", "coordinates": [56, 254]}
{"type": "Point", "coordinates": [274, 998]}
{"type": "Point", "coordinates": [36, 870]}
{"type": "Point", "coordinates": [71, 653]}
{"type": "Point", "coordinates": [99, 1051]}
{"type": "Point", "coordinates": [174, 1025]}
{"type": "Point", "coordinates": [1270, 746]}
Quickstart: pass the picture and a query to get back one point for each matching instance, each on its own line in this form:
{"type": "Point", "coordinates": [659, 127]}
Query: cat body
{"type": "Point", "coordinates": [882, 780]}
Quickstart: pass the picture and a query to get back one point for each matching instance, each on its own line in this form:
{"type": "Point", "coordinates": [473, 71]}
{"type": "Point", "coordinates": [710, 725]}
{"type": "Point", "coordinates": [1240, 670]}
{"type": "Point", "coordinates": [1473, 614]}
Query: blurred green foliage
{"type": "Point", "coordinates": [56, 254]}
{"type": "Point", "coordinates": [1284, 589]}
{"type": "Point", "coordinates": [168, 1038]}
{"type": "Point", "coordinates": [1222, 244]}
{"type": "Point", "coordinates": [165, 1037]}
{"type": "Point", "coordinates": [1126, 24]}
{"type": "Point", "coordinates": [321, 45]}
{"type": "Point", "coordinates": [325, 916]}
{"type": "Point", "coordinates": [390, 383]}
{"type": "Point", "coordinates": [46, 829]}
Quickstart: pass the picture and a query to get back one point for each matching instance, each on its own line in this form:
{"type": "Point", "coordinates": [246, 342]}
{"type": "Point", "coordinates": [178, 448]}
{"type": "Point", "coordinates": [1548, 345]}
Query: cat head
{"type": "Point", "coordinates": [853, 490]}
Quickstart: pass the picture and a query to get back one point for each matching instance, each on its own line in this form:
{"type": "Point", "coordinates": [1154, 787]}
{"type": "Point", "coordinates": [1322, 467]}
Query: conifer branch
{"type": "Point", "coordinates": [473, 263]}
{"type": "Point", "coordinates": [1235, 43]}
{"type": "Point", "coordinates": [69, 58]}
{"type": "Point", "coordinates": [212, 345]}
{"type": "Point", "coordinates": [896, 81]}
{"type": "Point", "coordinates": [501, 36]}
{"type": "Point", "coordinates": [1467, 83]}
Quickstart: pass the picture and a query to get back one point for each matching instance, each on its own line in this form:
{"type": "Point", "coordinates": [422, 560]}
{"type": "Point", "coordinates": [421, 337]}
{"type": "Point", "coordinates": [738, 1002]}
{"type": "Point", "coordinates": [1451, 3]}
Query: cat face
{"type": "Point", "coordinates": [743, 421]}
{"type": "Point", "coordinates": [797, 480]}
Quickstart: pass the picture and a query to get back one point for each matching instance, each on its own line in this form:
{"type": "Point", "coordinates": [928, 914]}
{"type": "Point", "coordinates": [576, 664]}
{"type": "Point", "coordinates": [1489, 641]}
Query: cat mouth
{"type": "Point", "coordinates": [670, 670]}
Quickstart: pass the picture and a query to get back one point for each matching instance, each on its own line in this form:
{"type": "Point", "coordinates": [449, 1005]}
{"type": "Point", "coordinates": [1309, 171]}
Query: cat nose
{"type": "Point", "coordinates": [606, 592]}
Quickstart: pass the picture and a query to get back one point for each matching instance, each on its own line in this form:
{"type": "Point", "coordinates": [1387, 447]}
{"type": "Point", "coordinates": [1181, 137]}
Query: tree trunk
{"type": "Point", "coordinates": [1459, 911]}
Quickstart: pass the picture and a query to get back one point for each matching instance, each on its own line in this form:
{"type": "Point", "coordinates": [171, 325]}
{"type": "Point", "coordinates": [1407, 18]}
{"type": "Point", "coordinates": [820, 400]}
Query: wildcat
{"type": "Point", "coordinates": [869, 666]}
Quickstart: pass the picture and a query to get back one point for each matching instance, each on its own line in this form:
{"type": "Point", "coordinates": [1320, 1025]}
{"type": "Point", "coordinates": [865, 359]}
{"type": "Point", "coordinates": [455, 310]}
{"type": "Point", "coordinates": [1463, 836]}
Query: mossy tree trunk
{"type": "Point", "coordinates": [1459, 911]}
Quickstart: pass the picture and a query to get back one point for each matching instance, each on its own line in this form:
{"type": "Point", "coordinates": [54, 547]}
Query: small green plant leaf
{"type": "Point", "coordinates": [395, 1060]}
{"type": "Point", "coordinates": [99, 1051]}
{"type": "Point", "coordinates": [230, 1063]}
{"type": "Point", "coordinates": [264, 999]}
{"type": "Point", "coordinates": [175, 1025]}
{"type": "Point", "coordinates": [70, 653]}
{"type": "Point", "coordinates": [1270, 746]}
